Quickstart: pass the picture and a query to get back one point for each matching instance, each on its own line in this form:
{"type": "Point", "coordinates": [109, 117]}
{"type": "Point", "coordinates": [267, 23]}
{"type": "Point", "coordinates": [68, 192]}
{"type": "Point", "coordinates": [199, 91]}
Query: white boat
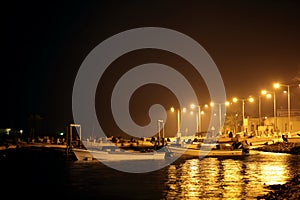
{"type": "Point", "coordinates": [207, 150]}
{"type": "Point", "coordinates": [117, 155]}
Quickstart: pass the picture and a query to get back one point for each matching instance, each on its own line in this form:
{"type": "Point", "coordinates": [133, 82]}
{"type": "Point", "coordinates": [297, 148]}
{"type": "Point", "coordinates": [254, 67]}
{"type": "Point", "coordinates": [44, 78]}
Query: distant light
{"type": "Point", "coordinates": [7, 131]}
{"type": "Point", "coordinates": [21, 131]}
{"type": "Point", "coordinates": [172, 109]}
{"type": "Point", "coordinates": [276, 85]}
{"type": "Point", "coordinates": [61, 133]}
{"type": "Point", "coordinates": [227, 103]}
{"type": "Point", "coordinates": [184, 110]}
{"type": "Point", "coordinates": [193, 106]}
{"type": "Point", "coordinates": [251, 99]}
{"type": "Point", "coordinates": [234, 99]}
{"type": "Point", "coordinates": [212, 104]}
{"type": "Point", "coordinates": [264, 92]}
{"type": "Point", "coordinates": [191, 113]}
{"type": "Point", "coordinates": [269, 96]}
{"type": "Point", "coordinates": [284, 91]}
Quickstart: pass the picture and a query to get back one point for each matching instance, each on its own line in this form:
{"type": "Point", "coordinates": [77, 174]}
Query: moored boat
{"type": "Point", "coordinates": [213, 152]}
{"type": "Point", "coordinates": [213, 149]}
{"type": "Point", "coordinates": [117, 155]}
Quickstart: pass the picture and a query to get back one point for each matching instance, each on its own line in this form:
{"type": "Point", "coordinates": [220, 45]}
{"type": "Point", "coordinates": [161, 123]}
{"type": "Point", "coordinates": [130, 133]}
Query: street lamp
{"type": "Point", "coordinates": [160, 121]}
{"type": "Point", "coordinates": [278, 85]}
{"type": "Point", "coordinates": [220, 111]}
{"type": "Point", "coordinates": [250, 99]}
{"type": "Point", "coordinates": [268, 95]}
{"type": "Point", "coordinates": [178, 120]}
{"type": "Point", "coordinates": [198, 116]}
{"type": "Point", "coordinates": [259, 109]}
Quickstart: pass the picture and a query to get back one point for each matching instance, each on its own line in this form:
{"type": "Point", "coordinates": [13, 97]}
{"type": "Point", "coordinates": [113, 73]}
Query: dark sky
{"type": "Point", "coordinates": [253, 43]}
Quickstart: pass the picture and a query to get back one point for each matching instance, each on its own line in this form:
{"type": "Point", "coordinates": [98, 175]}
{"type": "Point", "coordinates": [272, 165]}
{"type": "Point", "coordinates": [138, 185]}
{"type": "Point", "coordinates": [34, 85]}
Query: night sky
{"type": "Point", "coordinates": [253, 43]}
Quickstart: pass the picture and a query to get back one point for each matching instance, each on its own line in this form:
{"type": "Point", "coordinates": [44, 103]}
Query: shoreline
{"type": "Point", "coordinates": [291, 189]}
{"type": "Point", "coordinates": [281, 147]}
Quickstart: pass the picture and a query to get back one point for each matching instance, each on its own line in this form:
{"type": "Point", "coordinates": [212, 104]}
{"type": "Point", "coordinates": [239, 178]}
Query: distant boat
{"type": "Point", "coordinates": [117, 155]}
{"type": "Point", "coordinates": [211, 150]}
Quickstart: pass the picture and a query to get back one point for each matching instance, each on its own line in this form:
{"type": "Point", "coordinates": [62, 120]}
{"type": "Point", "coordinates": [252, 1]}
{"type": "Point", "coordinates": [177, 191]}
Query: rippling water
{"type": "Point", "coordinates": [207, 178]}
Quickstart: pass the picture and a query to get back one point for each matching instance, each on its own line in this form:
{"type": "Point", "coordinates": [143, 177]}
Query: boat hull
{"type": "Point", "coordinates": [84, 154]}
{"type": "Point", "coordinates": [213, 152]}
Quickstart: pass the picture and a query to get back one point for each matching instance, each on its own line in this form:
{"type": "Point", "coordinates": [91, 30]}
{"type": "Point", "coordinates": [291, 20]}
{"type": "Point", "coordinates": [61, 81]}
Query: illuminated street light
{"type": "Point", "coordinates": [198, 116]}
{"type": "Point", "coordinates": [277, 86]}
{"type": "Point", "coordinates": [268, 95]}
{"type": "Point", "coordinates": [160, 121]}
{"type": "Point", "coordinates": [250, 99]}
{"type": "Point", "coordinates": [178, 119]}
{"type": "Point", "coordinates": [212, 104]}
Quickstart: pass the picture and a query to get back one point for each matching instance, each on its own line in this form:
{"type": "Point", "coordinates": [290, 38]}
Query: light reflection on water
{"type": "Point", "coordinates": [232, 178]}
{"type": "Point", "coordinates": [206, 178]}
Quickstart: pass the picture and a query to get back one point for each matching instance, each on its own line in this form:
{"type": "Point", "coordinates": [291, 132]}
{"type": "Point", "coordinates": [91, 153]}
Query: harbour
{"type": "Point", "coordinates": [44, 172]}
{"type": "Point", "coordinates": [145, 100]}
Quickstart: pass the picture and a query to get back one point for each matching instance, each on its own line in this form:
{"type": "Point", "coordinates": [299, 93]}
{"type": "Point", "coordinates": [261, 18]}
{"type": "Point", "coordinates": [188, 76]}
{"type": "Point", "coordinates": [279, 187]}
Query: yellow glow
{"type": "Point", "coordinates": [212, 104]}
{"type": "Point", "coordinates": [234, 99]}
{"type": "Point", "coordinates": [269, 96]}
{"type": "Point", "coordinates": [202, 112]}
{"type": "Point", "coordinates": [227, 103]}
{"type": "Point", "coordinates": [193, 106]}
{"type": "Point", "coordinates": [191, 113]}
{"type": "Point", "coordinates": [274, 174]}
{"type": "Point", "coordinates": [264, 92]}
{"type": "Point", "coordinates": [184, 110]}
{"type": "Point", "coordinates": [172, 109]}
{"type": "Point", "coordinates": [251, 99]}
{"type": "Point", "coordinates": [206, 106]}
{"type": "Point", "coordinates": [276, 85]}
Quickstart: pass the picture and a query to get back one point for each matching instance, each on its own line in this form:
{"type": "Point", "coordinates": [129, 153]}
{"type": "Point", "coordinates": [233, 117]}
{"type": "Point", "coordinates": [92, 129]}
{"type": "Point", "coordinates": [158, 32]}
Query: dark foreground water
{"type": "Point", "coordinates": [47, 174]}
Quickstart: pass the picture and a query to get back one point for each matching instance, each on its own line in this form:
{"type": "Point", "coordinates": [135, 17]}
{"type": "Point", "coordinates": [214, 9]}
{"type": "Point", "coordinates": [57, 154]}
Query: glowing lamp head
{"type": "Point", "coordinates": [172, 109]}
{"type": "Point", "coordinates": [264, 92]}
{"type": "Point", "coordinates": [276, 85]}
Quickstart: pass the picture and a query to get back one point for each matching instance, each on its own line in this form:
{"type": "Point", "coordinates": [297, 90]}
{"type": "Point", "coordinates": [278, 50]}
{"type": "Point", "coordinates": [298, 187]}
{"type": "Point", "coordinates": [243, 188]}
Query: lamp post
{"type": "Point", "coordinates": [259, 110]}
{"type": "Point", "coordinates": [276, 86]}
{"type": "Point", "coordinates": [267, 93]}
{"type": "Point", "coordinates": [220, 111]}
{"type": "Point", "coordinates": [250, 99]}
{"type": "Point", "coordinates": [198, 116]}
{"type": "Point", "coordinates": [160, 121]}
{"type": "Point", "coordinates": [178, 120]}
